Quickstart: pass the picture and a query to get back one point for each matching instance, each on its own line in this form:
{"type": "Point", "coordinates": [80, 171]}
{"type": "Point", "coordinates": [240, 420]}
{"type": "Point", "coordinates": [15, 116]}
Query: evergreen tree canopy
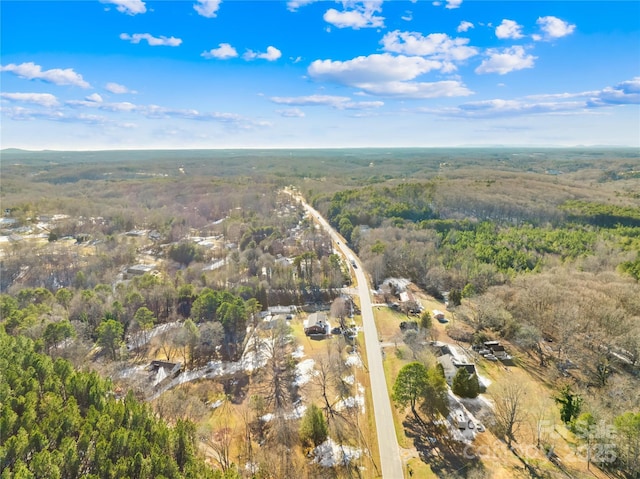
{"type": "Point", "coordinates": [59, 423]}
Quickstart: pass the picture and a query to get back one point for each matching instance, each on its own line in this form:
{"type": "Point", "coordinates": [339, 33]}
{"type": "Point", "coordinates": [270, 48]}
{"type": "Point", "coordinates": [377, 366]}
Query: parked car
{"type": "Point", "coordinates": [336, 331]}
{"type": "Point", "coordinates": [491, 357]}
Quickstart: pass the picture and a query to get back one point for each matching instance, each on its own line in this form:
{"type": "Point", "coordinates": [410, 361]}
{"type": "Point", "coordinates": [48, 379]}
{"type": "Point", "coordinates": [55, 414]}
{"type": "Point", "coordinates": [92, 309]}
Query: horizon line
{"type": "Point", "coordinates": [258, 148]}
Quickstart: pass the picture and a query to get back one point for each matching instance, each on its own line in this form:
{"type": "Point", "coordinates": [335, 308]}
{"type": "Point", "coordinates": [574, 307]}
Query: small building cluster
{"type": "Point", "coordinates": [492, 351]}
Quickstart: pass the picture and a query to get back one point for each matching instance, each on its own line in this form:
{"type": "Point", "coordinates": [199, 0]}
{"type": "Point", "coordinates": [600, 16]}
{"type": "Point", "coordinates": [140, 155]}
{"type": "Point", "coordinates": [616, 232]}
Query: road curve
{"type": "Point", "coordinates": [390, 461]}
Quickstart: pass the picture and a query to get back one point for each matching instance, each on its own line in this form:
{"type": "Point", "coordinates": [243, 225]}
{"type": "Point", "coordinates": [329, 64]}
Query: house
{"type": "Point", "coordinates": [317, 324]}
{"type": "Point", "coordinates": [282, 309]}
{"type": "Point", "coordinates": [171, 367]}
{"type": "Point", "coordinates": [450, 365]}
{"type": "Point", "coordinates": [141, 269]}
{"type": "Point", "coordinates": [471, 368]}
{"type": "Point", "coordinates": [439, 315]}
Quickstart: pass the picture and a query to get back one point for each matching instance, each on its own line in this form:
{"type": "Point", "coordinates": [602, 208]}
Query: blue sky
{"type": "Point", "coordinates": [121, 74]}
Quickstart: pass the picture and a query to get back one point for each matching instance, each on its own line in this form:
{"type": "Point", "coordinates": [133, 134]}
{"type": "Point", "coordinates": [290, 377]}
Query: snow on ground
{"type": "Point", "coordinates": [330, 454]}
{"type": "Point", "coordinates": [298, 353]}
{"type": "Point", "coordinates": [304, 372]}
{"type": "Point", "coordinates": [462, 424]}
{"type": "Point", "coordinates": [131, 372]}
{"type": "Point", "coordinates": [216, 404]}
{"type": "Point", "coordinates": [354, 360]}
{"type": "Point", "coordinates": [249, 362]}
{"type": "Point", "coordinates": [349, 379]}
{"type": "Point", "coordinates": [160, 376]}
{"type": "Point", "coordinates": [140, 338]}
{"type": "Point", "coordinates": [353, 401]}
{"type": "Point", "coordinates": [297, 413]}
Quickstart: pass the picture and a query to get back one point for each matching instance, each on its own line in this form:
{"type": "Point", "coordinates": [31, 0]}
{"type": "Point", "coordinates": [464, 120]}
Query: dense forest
{"type": "Point", "coordinates": [56, 422]}
{"type": "Point", "coordinates": [111, 260]}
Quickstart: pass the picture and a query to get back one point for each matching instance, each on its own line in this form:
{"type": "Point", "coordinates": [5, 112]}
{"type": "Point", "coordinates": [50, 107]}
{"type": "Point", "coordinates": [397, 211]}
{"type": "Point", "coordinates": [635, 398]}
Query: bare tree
{"type": "Point", "coordinates": [220, 437]}
{"type": "Point", "coordinates": [541, 419]}
{"type": "Point", "coordinates": [509, 408]}
{"type": "Point", "coordinates": [340, 309]}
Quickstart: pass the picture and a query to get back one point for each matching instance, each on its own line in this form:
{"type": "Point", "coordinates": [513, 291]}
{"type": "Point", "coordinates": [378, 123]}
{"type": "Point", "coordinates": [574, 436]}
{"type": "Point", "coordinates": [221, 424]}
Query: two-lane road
{"type": "Point", "coordinates": [390, 461]}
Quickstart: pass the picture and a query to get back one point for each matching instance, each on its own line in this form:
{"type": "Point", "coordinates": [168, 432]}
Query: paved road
{"type": "Point", "coordinates": [390, 461]}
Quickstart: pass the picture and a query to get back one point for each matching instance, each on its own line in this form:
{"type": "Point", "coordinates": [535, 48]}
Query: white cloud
{"type": "Point", "coordinates": [453, 4]}
{"type": "Point", "coordinates": [553, 27]}
{"type": "Point", "coordinates": [440, 89]}
{"type": "Point", "coordinates": [361, 16]}
{"type": "Point", "coordinates": [57, 76]}
{"type": "Point", "coordinates": [130, 7]}
{"type": "Point", "coordinates": [207, 8]}
{"type": "Point", "coordinates": [388, 75]}
{"type": "Point", "coordinates": [509, 29]}
{"type": "Point", "coordinates": [311, 100]}
{"type": "Point", "coordinates": [337, 102]}
{"type": "Point", "coordinates": [117, 89]}
{"type": "Point", "coordinates": [271, 54]}
{"type": "Point", "coordinates": [374, 68]}
{"type": "Point", "coordinates": [464, 26]}
{"type": "Point", "coordinates": [94, 97]}
{"type": "Point", "coordinates": [506, 60]}
{"type": "Point", "coordinates": [151, 40]}
{"type": "Point", "coordinates": [500, 107]}
{"type": "Point", "coordinates": [89, 102]}
{"type": "Point", "coordinates": [624, 93]}
{"type": "Point", "coordinates": [363, 105]}
{"type": "Point", "coordinates": [160, 112]}
{"type": "Point", "coordinates": [42, 99]}
{"type": "Point", "coordinates": [293, 5]}
{"type": "Point", "coordinates": [25, 114]}
{"type": "Point", "coordinates": [223, 52]}
{"type": "Point", "coordinates": [436, 45]}
{"type": "Point", "coordinates": [408, 16]}
{"type": "Point", "coordinates": [291, 113]}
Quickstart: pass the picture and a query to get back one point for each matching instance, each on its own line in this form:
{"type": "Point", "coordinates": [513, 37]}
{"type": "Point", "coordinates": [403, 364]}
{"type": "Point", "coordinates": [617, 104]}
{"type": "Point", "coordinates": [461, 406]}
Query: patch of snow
{"type": "Point", "coordinates": [331, 454]}
{"type": "Point", "coordinates": [353, 401]}
{"type": "Point", "coordinates": [298, 412]}
{"type": "Point", "coordinates": [298, 353]}
{"type": "Point", "coordinates": [160, 375]}
{"type": "Point", "coordinates": [484, 381]}
{"type": "Point", "coordinates": [304, 372]}
{"type": "Point", "coordinates": [216, 404]}
{"type": "Point", "coordinates": [354, 360]}
{"type": "Point", "coordinates": [349, 379]}
{"type": "Point", "coordinates": [130, 372]}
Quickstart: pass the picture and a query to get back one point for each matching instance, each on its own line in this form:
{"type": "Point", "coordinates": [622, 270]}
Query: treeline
{"type": "Point", "coordinates": [602, 215]}
{"type": "Point", "coordinates": [440, 255]}
{"type": "Point", "coordinates": [371, 205]}
{"type": "Point", "coordinates": [407, 230]}
{"type": "Point", "coordinates": [112, 316]}
{"type": "Point", "coordinates": [56, 422]}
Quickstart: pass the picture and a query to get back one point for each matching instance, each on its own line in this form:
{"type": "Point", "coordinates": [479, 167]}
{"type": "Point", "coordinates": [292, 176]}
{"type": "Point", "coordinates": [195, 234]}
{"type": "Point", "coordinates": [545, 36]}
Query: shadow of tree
{"type": "Point", "coordinates": [436, 448]}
